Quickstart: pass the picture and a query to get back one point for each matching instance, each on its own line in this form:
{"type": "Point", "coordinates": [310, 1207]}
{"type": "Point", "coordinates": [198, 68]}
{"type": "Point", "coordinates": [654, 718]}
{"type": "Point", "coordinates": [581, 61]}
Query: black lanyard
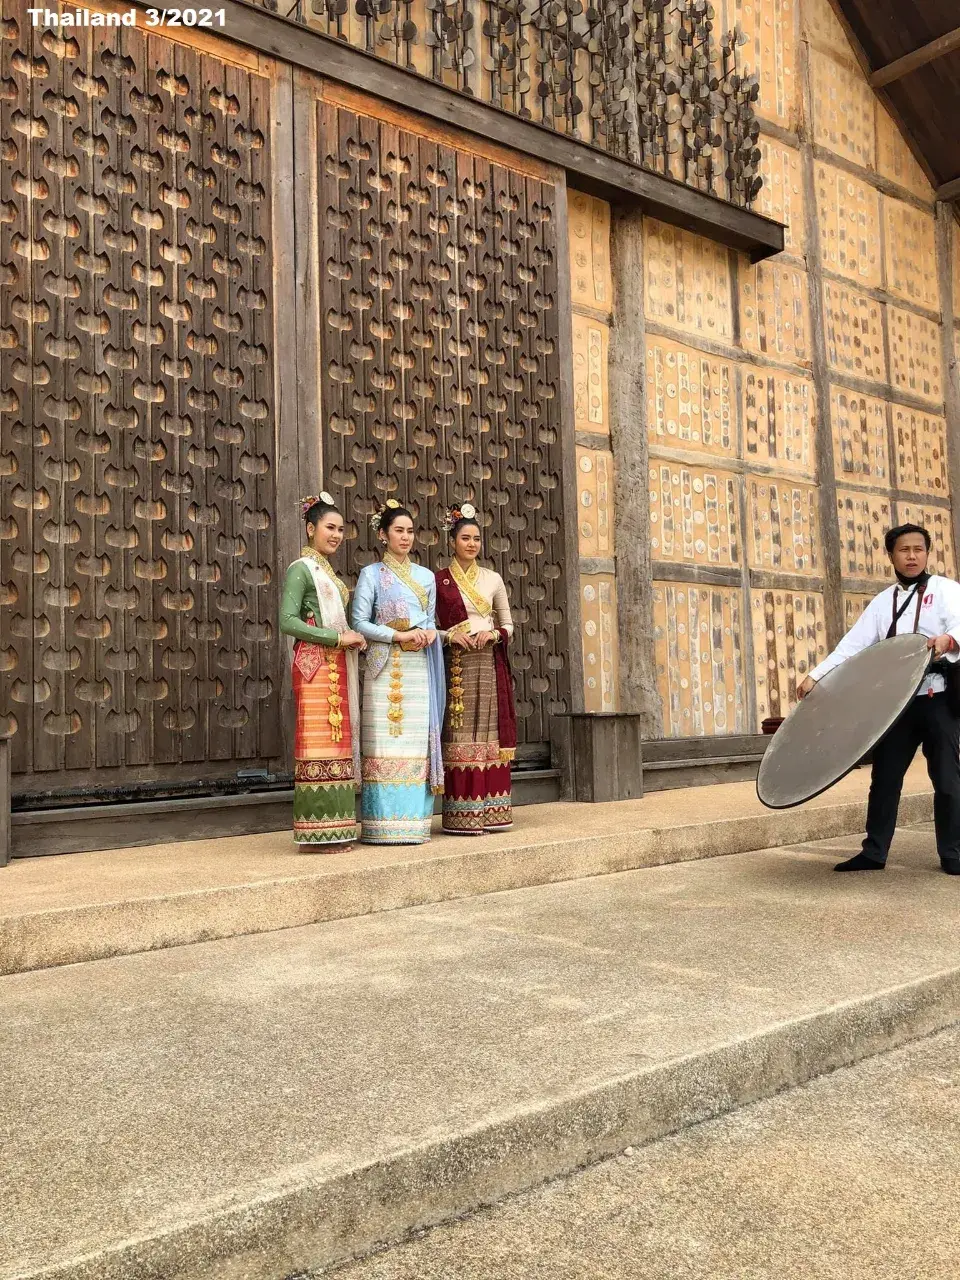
{"type": "Point", "coordinates": [919, 589]}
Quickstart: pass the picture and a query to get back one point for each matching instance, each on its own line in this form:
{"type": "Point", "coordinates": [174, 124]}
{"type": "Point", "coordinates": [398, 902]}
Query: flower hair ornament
{"type": "Point", "coordinates": [465, 511]}
{"type": "Point", "coordinates": [307, 503]}
{"type": "Point", "coordinates": [391, 504]}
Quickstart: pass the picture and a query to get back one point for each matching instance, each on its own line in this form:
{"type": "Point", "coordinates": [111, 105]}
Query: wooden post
{"type": "Point", "coordinates": [6, 821]}
{"type": "Point", "coordinates": [628, 435]}
{"type": "Point", "coordinates": [826, 473]}
{"type": "Point", "coordinates": [951, 381]}
{"type": "Point", "coordinates": [568, 455]}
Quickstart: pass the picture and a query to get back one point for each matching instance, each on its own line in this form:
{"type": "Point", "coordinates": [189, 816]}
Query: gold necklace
{"type": "Point", "coordinates": [466, 580]}
{"type": "Point", "coordinates": [310, 553]}
{"type": "Point", "coordinates": [401, 568]}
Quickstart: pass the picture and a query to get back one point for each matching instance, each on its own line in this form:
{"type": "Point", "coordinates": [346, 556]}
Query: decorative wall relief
{"type": "Point", "coordinates": [137, 547]}
{"type": "Point", "coordinates": [694, 515]}
{"type": "Point", "coordinates": [658, 82]}
{"type": "Point", "coordinates": [441, 364]}
{"type": "Point", "coordinates": [691, 398]}
{"type": "Point", "coordinates": [700, 660]}
{"type": "Point", "coordinates": [789, 639]}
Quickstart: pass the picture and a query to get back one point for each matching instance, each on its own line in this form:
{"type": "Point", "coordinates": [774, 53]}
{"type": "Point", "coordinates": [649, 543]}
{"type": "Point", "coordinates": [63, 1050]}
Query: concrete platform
{"type": "Point", "coordinates": [848, 1178]}
{"type": "Point", "coordinates": [253, 1107]}
{"type": "Point", "coordinates": [68, 909]}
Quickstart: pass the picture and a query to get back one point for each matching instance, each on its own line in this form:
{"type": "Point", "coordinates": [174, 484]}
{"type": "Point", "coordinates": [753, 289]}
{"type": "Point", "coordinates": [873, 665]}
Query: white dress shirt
{"type": "Point", "coordinates": [939, 615]}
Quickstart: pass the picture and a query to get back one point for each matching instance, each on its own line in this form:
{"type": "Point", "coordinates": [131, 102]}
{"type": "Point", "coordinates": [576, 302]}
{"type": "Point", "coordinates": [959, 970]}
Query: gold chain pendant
{"type": "Point", "coordinates": [395, 696]}
{"type": "Point", "coordinates": [456, 689]}
{"type": "Point", "coordinates": [334, 700]}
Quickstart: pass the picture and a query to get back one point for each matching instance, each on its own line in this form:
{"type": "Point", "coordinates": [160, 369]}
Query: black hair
{"type": "Point", "coordinates": [391, 514]}
{"type": "Point", "coordinates": [314, 514]}
{"type": "Point", "coordinates": [890, 541]}
{"type": "Point", "coordinates": [461, 523]}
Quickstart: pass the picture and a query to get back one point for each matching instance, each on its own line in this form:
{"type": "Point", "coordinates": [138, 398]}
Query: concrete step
{"type": "Point", "coordinates": [252, 1108]}
{"type": "Point", "coordinates": [68, 909]}
{"type": "Point", "coordinates": [842, 1179]}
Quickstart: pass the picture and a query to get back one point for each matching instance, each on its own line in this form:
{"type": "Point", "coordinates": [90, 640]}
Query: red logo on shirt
{"type": "Point", "coordinates": [928, 599]}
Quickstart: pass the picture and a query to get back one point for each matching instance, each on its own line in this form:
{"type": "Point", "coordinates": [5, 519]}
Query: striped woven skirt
{"type": "Point", "coordinates": [396, 805]}
{"type": "Point", "coordinates": [324, 791]}
{"type": "Point", "coordinates": [477, 787]}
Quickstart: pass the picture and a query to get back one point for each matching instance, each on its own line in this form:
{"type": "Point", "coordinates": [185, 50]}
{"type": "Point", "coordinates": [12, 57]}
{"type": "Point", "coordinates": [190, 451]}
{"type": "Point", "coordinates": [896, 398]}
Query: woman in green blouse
{"type": "Point", "coordinates": [326, 688]}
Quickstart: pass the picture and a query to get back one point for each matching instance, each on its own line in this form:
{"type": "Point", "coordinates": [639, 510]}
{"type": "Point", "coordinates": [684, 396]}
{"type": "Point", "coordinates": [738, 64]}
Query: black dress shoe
{"type": "Point", "coordinates": [859, 863]}
{"type": "Point", "coordinates": [951, 866]}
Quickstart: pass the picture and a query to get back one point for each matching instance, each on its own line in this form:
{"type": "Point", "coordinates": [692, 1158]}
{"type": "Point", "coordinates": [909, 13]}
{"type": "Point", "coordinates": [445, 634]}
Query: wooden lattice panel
{"type": "Point", "coordinates": [591, 343]}
{"type": "Point", "coordinates": [774, 311]}
{"type": "Point", "coordinates": [853, 607]}
{"type": "Point", "coordinates": [849, 215]}
{"type": "Point", "coordinates": [789, 640]}
{"type": "Point", "coordinates": [441, 365]}
{"type": "Point", "coordinates": [920, 441]}
{"type": "Point", "coordinates": [779, 420]}
{"type": "Point", "coordinates": [843, 109]}
{"type": "Point", "coordinates": [138, 552]}
{"type": "Point", "coordinates": [861, 448]}
{"type": "Point", "coordinates": [854, 325]}
{"type": "Point", "coordinates": [770, 53]}
{"type": "Point", "coordinates": [691, 400]}
{"type": "Point", "coordinates": [781, 196]}
{"type": "Point", "coordinates": [595, 502]}
{"type": "Point", "coordinates": [864, 519]}
{"type": "Point", "coordinates": [589, 228]}
{"type": "Point", "coordinates": [782, 526]}
{"type": "Point", "coordinates": [916, 358]}
{"type": "Point", "coordinates": [598, 606]}
{"type": "Point", "coordinates": [698, 635]}
{"type": "Point", "coordinates": [911, 240]}
{"type": "Point", "coordinates": [688, 281]}
{"type": "Point", "coordinates": [956, 270]}
{"type": "Point", "coordinates": [937, 521]}
{"type": "Point", "coordinates": [694, 515]}
{"type": "Point", "coordinates": [896, 161]}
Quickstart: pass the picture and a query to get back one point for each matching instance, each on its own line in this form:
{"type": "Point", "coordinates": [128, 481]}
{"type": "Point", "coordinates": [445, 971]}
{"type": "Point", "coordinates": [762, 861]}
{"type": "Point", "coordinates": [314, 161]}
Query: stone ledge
{"type": "Point", "coordinates": [92, 906]}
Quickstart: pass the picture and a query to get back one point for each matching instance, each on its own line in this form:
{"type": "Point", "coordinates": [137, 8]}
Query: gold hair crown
{"type": "Point", "coordinates": [465, 511]}
{"type": "Point", "coordinates": [391, 504]}
{"type": "Point", "coordinates": [323, 496]}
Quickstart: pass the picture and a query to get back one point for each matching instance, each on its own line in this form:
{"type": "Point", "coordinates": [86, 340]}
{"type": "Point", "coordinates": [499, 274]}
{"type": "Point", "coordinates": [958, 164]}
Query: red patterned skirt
{"type": "Point", "coordinates": [477, 788]}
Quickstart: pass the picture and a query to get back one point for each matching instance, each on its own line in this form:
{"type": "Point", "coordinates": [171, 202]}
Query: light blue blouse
{"type": "Point", "coordinates": [364, 609]}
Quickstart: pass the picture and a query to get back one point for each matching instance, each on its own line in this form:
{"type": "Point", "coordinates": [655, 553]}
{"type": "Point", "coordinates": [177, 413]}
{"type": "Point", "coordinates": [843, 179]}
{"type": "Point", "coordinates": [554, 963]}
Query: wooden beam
{"type": "Point", "coordinates": [951, 380]}
{"type": "Point", "coordinates": [949, 191]}
{"type": "Point", "coordinates": [639, 693]}
{"type": "Point", "coordinates": [588, 168]}
{"type": "Point", "coordinates": [921, 57]}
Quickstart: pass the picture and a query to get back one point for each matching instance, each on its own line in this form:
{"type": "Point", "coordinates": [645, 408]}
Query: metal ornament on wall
{"type": "Point", "coordinates": [440, 361]}
{"type": "Point", "coordinates": [651, 81]}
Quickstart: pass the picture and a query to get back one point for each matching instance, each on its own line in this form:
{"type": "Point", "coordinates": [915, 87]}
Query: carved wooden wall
{"type": "Point", "coordinates": [440, 359]}
{"type": "Point", "coordinates": [137, 464]}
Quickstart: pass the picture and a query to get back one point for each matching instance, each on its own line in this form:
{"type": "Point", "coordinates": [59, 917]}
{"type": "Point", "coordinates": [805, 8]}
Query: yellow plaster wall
{"type": "Point", "coordinates": [733, 413]}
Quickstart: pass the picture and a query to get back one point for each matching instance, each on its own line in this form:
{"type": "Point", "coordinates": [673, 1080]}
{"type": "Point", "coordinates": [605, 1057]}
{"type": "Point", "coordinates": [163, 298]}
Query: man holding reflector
{"type": "Point", "coordinates": [928, 605]}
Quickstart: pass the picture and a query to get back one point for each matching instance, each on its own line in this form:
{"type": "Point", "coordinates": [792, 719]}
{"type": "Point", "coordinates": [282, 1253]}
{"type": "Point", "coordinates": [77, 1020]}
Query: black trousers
{"type": "Point", "coordinates": [926, 723]}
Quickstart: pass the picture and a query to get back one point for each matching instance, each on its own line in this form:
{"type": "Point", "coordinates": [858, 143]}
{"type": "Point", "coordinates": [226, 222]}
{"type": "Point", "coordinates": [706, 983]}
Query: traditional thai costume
{"type": "Point", "coordinates": [327, 693]}
{"type": "Point", "coordinates": [480, 726]}
{"type": "Point", "coordinates": [403, 700]}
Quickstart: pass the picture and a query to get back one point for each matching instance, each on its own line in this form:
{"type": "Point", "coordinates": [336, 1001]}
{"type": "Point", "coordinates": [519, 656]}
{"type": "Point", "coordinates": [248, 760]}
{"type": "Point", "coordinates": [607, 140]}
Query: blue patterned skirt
{"type": "Point", "coordinates": [396, 806]}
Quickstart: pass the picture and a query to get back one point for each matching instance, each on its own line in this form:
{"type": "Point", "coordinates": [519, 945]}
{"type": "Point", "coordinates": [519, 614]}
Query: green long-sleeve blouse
{"type": "Point", "coordinates": [299, 602]}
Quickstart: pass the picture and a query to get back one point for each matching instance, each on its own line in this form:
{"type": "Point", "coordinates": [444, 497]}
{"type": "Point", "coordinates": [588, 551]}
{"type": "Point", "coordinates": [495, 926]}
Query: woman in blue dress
{"type": "Point", "coordinates": [403, 688]}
